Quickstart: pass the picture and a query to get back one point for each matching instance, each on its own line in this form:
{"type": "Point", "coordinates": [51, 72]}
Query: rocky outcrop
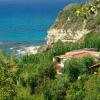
{"type": "Point", "coordinates": [43, 48]}
{"type": "Point", "coordinates": [32, 50]}
{"type": "Point", "coordinates": [65, 29]}
{"type": "Point", "coordinates": [68, 27]}
{"type": "Point", "coordinates": [71, 34]}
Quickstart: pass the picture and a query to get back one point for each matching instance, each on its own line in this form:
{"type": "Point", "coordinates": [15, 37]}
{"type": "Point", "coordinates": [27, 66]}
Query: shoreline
{"type": "Point", "coordinates": [23, 48]}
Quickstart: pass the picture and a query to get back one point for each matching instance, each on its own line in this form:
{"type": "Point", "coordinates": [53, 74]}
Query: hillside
{"type": "Point", "coordinates": [74, 21]}
{"type": "Point", "coordinates": [34, 76]}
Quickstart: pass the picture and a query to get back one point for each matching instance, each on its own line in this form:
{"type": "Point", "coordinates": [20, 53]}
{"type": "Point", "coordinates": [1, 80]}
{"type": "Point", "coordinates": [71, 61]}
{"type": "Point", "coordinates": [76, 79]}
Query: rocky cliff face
{"type": "Point", "coordinates": [68, 27]}
{"type": "Point", "coordinates": [72, 34]}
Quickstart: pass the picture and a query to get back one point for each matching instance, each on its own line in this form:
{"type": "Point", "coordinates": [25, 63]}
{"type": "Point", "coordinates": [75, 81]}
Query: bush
{"type": "Point", "coordinates": [75, 91]}
{"type": "Point", "coordinates": [93, 23]}
{"type": "Point", "coordinates": [51, 72]}
{"type": "Point", "coordinates": [71, 69]}
{"type": "Point", "coordinates": [69, 11]}
{"type": "Point", "coordinates": [55, 90]}
{"type": "Point", "coordinates": [30, 59]}
{"type": "Point", "coordinates": [88, 62]}
{"type": "Point", "coordinates": [92, 88]}
{"type": "Point", "coordinates": [7, 80]}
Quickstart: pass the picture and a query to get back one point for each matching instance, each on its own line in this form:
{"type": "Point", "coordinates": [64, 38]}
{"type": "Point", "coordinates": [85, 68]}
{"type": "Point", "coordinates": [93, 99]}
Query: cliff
{"type": "Point", "coordinates": [73, 22]}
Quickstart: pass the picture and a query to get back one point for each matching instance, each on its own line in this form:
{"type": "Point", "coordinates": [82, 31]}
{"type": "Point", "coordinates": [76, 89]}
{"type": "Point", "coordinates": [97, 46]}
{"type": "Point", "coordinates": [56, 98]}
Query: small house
{"type": "Point", "coordinates": [78, 54]}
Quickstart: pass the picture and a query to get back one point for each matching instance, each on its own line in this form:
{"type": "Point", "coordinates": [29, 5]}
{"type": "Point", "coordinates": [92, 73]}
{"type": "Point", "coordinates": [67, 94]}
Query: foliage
{"type": "Point", "coordinates": [75, 91]}
{"type": "Point", "coordinates": [7, 79]}
{"type": "Point", "coordinates": [55, 90]}
{"type": "Point", "coordinates": [71, 69]}
{"type": "Point", "coordinates": [70, 11]}
{"type": "Point", "coordinates": [91, 42]}
{"type": "Point", "coordinates": [88, 9]}
{"type": "Point", "coordinates": [88, 62]}
{"type": "Point", "coordinates": [87, 89]}
{"type": "Point", "coordinates": [92, 88]}
{"type": "Point", "coordinates": [92, 23]}
{"type": "Point", "coordinates": [34, 77]}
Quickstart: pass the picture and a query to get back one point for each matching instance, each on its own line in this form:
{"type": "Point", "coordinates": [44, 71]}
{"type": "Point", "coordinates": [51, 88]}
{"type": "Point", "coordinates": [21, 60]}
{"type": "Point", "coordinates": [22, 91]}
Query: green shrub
{"type": "Point", "coordinates": [75, 91]}
{"type": "Point", "coordinates": [88, 62]}
{"type": "Point", "coordinates": [93, 22]}
{"type": "Point", "coordinates": [92, 88]}
{"type": "Point", "coordinates": [69, 11]}
{"type": "Point", "coordinates": [55, 90]}
{"type": "Point", "coordinates": [30, 59]}
{"type": "Point", "coordinates": [71, 69]}
{"type": "Point", "coordinates": [7, 80]}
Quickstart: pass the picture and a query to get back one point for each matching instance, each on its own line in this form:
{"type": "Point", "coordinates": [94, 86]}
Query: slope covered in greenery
{"type": "Point", "coordinates": [77, 13]}
{"type": "Point", "coordinates": [33, 77]}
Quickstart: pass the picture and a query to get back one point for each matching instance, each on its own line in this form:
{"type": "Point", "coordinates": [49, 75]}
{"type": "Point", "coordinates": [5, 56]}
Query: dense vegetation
{"type": "Point", "coordinates": [76, 14]}
{"type": "Point", "coordinates": [33, 77]}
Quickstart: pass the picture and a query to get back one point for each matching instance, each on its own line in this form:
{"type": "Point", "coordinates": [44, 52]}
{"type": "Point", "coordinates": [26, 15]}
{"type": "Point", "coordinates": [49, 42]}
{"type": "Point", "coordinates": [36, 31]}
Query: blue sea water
{"type": "Point", "coordinates": [28, 22]}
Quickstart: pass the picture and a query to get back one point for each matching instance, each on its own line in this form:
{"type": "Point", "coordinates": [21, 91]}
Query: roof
{"type": "Point", "coordinates": [79, 53]}
{"type": "Point", "coordinates": [73, 54]}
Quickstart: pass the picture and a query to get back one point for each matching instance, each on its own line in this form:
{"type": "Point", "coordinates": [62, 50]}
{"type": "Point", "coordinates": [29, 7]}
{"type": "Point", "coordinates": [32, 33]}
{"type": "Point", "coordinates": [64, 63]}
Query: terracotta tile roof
{"type": "Point", "coordinates": [72, 54]}
{"type": "Point", "coordinates": [79, 53]}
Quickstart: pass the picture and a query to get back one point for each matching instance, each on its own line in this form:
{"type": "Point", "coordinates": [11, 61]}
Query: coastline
{"type": "Point", "coordinates": [23, 48]}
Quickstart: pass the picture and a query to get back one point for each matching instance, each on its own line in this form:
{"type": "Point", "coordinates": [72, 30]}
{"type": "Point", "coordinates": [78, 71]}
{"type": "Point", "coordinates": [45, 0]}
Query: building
{"type": "Point", "coordinates": [78, 54]}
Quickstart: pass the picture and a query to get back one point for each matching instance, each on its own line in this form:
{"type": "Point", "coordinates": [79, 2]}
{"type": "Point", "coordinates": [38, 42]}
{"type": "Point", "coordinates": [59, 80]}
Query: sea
{"type": "Point", "coordinates": [27, 22]}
